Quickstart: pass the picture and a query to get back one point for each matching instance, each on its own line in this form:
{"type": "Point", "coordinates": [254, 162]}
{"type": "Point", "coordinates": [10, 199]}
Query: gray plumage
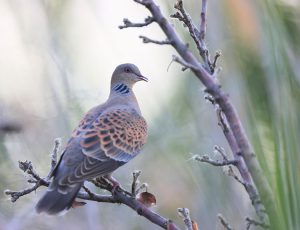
{"type": "Point", "coordinates": [107, 137]}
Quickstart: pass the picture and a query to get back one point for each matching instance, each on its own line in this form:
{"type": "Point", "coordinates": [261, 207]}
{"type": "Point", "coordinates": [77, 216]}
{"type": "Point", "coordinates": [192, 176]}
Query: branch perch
{"type": "Point", "coordinates": [119, 196]}
{"type": "Point", "coordinates": [247, 163]}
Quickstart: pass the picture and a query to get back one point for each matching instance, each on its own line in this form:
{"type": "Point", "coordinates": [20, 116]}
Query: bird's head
{"type": "Point", "coordinates": [127, 74]}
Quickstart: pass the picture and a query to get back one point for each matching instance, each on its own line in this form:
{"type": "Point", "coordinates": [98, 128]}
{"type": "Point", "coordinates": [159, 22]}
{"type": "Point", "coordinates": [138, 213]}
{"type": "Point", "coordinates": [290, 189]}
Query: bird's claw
{"type": "Point", "coordinates": [116, 186]}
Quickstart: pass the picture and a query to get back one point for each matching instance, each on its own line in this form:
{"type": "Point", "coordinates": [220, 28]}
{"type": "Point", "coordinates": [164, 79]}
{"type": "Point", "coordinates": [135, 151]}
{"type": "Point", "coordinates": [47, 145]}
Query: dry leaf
{"type": "Point", "coordinates": [147, 198]}
{"type": "Point", "coordinates": [194, 225]}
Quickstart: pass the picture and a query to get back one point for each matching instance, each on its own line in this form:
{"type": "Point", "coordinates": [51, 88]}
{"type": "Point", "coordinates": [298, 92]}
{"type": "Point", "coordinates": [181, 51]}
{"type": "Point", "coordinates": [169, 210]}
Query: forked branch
{"type": "Point", "coordinates": [119, 196]}
{"type": "Point", "coordinates": [243, 154]}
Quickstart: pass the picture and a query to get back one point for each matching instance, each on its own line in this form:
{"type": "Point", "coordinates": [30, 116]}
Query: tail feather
{"type": "Point", "coordinates": [56, 199]}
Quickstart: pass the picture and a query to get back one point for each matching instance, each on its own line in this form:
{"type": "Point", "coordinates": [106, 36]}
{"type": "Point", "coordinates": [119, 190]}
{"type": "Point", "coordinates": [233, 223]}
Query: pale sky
{"type": "Point", "coordinates": [94, 45]}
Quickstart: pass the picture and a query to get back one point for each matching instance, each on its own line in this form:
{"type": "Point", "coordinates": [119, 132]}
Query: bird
{"type": "Point", "coordinates": [108, 136]}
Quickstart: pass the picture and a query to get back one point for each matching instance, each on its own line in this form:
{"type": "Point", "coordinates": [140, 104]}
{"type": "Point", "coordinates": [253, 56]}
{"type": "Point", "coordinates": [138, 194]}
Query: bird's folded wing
{"type": "Point", "coordinates": [107, 142]}
{"type": "Point", "coordinates": [87, 169]}
{"type": "Point", "coordinates": [118, 135]}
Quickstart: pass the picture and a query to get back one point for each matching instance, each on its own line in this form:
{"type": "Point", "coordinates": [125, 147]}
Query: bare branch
{"type": "Point", "coordinates": [224, 222]}
{"type": "Point", "coordinates": [119, 195]}
{"type": "Point", "coordinates": [248, 164]}
{"type": "Point", "coordinates": [198, 36]}
{"type": "Point", "coordinates": [251, 222]}
{"type": "Point", "coordinates": [54, 154]}
{"type": "Point", "coordinates": [231, 173]}
{"type": "Point", "coordinates": [141, 187]}
{"type": "Point", "coordinates": [185, 214]}
{"type": "Point", "coordinates": [179, 17]}
{"type": "Point", "coordinates": [135, 176]}
{"type": "Point", "coordinates": [210, 99]}
{"type": "Point", "coordinates": [128, 23]}
{"type": "Point", "coordinates": [222, 121]}
{"type": "Point", "coordinates": [89, 195]}
{"type": "Point", "coordinates": [149, 40]}
{"type": "Point", "coordinates": [217, 55]}
{"type": "Point", "coordinates": [207, 159]}
{"type": "Point", "coordinates": [15, 195]}
{"type": "Point", "coordinates": [184, 63]}
{"type": "Point", "coordinates": [26, 166]}
{"type": "Point", "coordinates": [246, 180]}
{"type": "Point", "coordinates": [203, 20]}
{"type": "Point", "coordinates": [219, 150]}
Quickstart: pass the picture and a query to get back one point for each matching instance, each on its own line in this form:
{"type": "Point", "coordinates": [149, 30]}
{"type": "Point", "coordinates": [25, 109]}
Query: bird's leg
{"type": "Point", "coordinates": [115, 185]}
{"type": "Point", "coordinates": [114, 182]}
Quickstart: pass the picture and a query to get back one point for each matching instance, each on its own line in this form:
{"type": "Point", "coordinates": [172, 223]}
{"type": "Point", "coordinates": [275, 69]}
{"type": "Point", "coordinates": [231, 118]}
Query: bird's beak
{"type": "Point", "coordinates": [142, 78]}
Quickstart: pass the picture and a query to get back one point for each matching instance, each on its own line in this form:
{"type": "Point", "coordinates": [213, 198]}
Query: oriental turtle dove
{"type": "Point", "coordinates": [108, 136]}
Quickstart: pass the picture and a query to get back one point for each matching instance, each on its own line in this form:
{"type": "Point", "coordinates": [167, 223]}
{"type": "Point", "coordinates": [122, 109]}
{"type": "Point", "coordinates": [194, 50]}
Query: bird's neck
{"type": "Point", "coordinates": [121, 89]}
{"type": "Point", "coordinates": [121, 93]}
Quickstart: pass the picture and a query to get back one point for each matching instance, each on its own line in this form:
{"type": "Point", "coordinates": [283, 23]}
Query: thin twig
{"type": "Point", "coordinates": [128, 23]}
{"type": "Point", "coordinates": [207, 159]}
{"type": "Point", "coordinates": [218, 149]}
{"type": "Point", "coordinates": [224, 222]}
{"type": "Point", "coordinates": [198, 36]}
{"type": "Point", "coordinates": [149, 40]}
{"type": "Point", "coordinates": [54, 154]}
{"type": "Point", "coordinates": [222, 121]}
{"type": "Point", "coordinates": [185, 214]}
{"type": "Point", "coordinates": [26, 166]}
{"type": "Point", "coordinates": [15, 195]}
{"type": "Point", "coordinates": [251, 222]}
{"type": "Point", "coordinates": [141, 187]}
{"type": "Point", "coordinates": [135, 176]}
{"type": "Point", "coordinates": [217, 55]}
{"type": "Point", "coordinates": [184, 63]}
{"type": "Point", "coordinates": [203, 20]}
{"type": "Point", "coordinates": [232, 174]}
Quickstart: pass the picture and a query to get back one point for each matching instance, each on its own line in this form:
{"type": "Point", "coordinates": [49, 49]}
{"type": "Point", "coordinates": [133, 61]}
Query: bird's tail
{"type": "Point", "coordinates": [57, 198]}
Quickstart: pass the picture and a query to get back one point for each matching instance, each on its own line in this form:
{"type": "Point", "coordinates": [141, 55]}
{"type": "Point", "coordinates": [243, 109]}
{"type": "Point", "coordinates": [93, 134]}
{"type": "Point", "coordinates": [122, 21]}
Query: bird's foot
{"type": "Point", "coordinates": [116, 186]}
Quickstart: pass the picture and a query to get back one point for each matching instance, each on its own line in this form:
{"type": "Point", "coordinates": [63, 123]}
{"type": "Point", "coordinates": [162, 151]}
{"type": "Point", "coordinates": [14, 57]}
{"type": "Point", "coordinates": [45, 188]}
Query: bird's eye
{"type": "Point", "coordinates": [127, 70]}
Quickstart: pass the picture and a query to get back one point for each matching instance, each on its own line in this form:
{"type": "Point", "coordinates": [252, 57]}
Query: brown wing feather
{"type": "Point", "coordinates": [107, 141]}
{"type": "Point", "coordinates": [118, 134]}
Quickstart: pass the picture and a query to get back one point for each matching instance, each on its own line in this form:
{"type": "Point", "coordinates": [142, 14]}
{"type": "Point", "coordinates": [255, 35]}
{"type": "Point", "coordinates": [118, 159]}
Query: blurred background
{"type": "Point", "coordinates": [56, 60]}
